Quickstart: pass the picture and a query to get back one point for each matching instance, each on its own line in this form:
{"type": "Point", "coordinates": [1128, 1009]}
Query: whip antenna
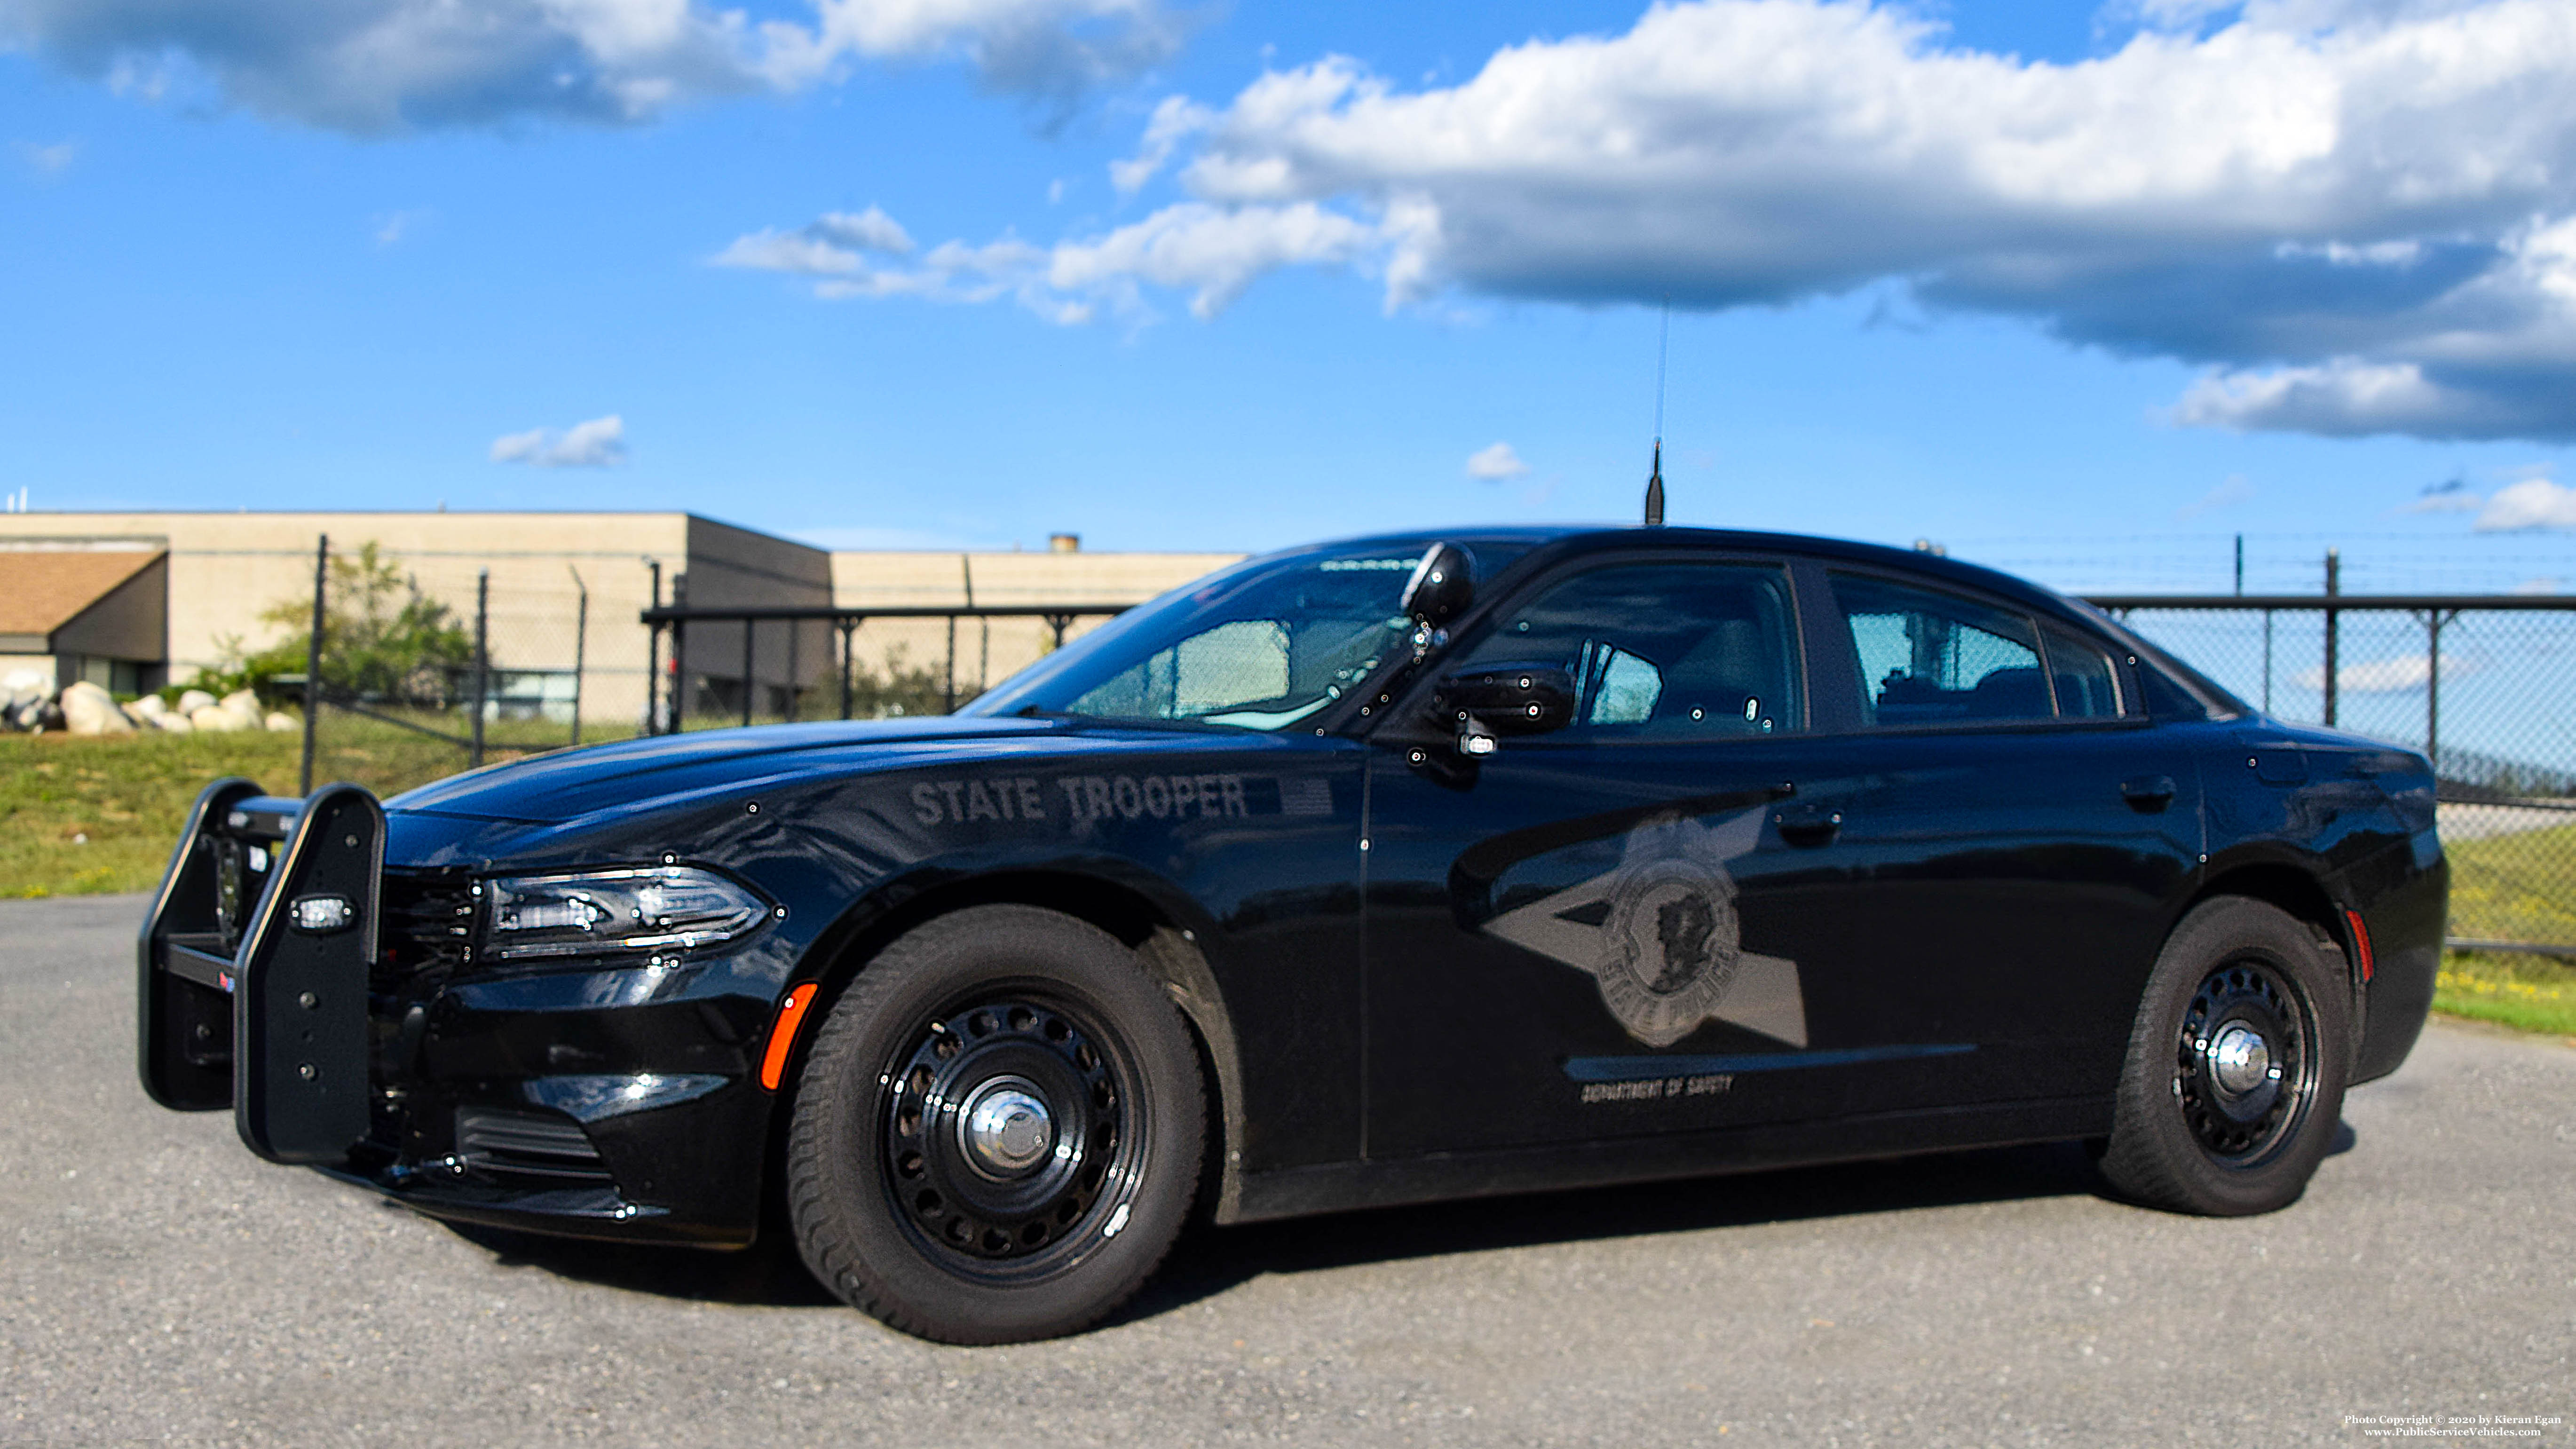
{"type": "Point", "coordinates": [1655, 476]}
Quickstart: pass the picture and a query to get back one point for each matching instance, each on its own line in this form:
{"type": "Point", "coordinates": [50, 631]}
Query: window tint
{"type": "Point", "coordinates": [2087, 686]}
{"type": "Point", "coordinates": [1662, 651]}
{"type": "Point", "coordinates": [1928, 658]}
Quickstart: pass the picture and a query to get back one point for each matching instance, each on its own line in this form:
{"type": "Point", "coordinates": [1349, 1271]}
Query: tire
{"type": "Point", "coordinates": [2234, 1080]}
{"type": "Point", "coordinates": [998, 1130]}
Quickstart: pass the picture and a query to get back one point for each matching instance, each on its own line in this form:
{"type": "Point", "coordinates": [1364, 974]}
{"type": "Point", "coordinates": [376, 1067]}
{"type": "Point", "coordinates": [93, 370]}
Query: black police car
{"type": "Point", "coordinates": [1370, 873]}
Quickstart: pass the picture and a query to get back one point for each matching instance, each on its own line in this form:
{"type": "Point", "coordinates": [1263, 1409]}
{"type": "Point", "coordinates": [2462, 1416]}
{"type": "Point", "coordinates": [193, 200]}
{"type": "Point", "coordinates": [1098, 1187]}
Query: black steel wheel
{"type": "Point", "coordinates": [2234, 1080]}
{"type": "Point", "coordinates": [1011, 1135]}
{"type": "Point", "coordinates": [997, 1131]}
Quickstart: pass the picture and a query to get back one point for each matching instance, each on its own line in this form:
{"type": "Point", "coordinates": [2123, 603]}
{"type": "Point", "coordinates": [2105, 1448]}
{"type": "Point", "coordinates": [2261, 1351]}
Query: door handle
{"type": "Point", "coordinates": [2148, 794]}
{"type": "Point", "coordinates": [1807, 826]}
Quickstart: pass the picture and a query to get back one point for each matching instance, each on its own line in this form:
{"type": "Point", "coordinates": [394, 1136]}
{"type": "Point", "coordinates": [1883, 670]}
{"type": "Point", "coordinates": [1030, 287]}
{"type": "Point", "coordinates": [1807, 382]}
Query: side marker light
{"type": "Point", "coordinates": [2361, 945]}
{"type": "Point", "coordinates": [782, 1037]}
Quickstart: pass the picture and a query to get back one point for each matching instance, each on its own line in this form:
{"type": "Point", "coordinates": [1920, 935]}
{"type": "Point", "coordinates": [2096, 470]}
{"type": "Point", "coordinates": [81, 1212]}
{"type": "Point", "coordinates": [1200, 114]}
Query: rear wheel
{"type": "Point", "coordinates": [2234, 1079]}
{"type": "Point", "coordinates": [998, 1130]}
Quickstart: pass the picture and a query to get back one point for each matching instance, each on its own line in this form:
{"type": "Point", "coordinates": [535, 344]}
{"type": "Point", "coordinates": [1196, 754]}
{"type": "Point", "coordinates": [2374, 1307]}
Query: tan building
{"type": "Point", "coordinates": [205, 579]}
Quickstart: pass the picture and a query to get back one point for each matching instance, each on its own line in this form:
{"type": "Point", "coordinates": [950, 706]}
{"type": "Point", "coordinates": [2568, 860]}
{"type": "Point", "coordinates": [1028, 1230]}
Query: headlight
{"type": "Point", "coordinates": [643, 908]}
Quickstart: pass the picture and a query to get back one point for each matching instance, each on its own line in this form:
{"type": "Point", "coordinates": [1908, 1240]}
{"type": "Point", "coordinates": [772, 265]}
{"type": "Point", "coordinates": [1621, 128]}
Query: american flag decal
{"type": "Point", "coordinates": [1311, 795]}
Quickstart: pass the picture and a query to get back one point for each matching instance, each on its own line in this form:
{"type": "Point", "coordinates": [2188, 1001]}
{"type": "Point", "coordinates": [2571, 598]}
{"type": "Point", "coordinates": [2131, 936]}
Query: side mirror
{"type": "Point", "coordinates": [1442, 586]}
{"type": "Point", "coordinates": [1505, 699]}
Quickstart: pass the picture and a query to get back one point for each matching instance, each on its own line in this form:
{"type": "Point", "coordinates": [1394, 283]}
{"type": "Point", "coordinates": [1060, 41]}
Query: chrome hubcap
{"type": "Point", "coordinates": [2241, 1060]}
{"type": "Point", "coordinates": [1006, 1129]}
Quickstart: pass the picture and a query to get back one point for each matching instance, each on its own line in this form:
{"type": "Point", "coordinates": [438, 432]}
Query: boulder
{"type": "Point", "coordinates": [284, 724]}
{"type": "Point", "coordinates": [193, 701]}
{"type": "Point", "coordinates": [214, 719]}
{"type": "Point", "coordinates": [149, 707]}
{"type": "Point", "coordinates": [22, 687]}
{"type": "Point", "coordinates": [241, 701]}
{"type": "Point", "coordinates": [173, 723]}
{"type": "Point", "coordinates": [90, 710]}
{"type": "Point", "coordinates": [36, 713]}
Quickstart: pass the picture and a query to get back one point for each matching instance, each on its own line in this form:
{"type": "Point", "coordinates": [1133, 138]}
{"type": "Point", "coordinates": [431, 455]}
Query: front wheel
{"type": "Point", "coordinates": [998, 1131]}
{"type": "Point", "coordinates": [2234, 1080]}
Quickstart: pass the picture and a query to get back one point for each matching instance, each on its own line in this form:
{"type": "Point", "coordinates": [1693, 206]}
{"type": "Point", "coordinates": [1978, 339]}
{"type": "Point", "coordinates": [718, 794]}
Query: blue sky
{"type": "Point", "coordinates": [2021, 277]}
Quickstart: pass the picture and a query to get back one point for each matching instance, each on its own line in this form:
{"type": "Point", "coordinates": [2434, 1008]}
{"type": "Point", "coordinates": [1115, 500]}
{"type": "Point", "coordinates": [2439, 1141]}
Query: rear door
{"type": "Point", "coordinates": [2020, 833]}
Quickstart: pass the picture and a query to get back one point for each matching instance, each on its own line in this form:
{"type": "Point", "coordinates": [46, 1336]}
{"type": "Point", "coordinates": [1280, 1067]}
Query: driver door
{"type": "Point", "coordinates": [1618, 927]}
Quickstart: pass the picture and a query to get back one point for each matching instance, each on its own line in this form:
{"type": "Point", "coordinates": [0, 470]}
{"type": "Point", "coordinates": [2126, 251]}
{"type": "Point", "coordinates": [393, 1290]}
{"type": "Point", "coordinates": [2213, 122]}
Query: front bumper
{"type": "Point", "coordinates": [615, 1101]}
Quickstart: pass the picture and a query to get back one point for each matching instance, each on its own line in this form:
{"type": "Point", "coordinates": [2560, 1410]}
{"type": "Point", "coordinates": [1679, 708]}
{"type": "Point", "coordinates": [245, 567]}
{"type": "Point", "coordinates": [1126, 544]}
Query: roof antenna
{"type": "Point", "coordinates": [1655, 478]}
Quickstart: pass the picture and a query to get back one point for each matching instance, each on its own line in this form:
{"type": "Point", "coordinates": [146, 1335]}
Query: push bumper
{"type": "Point", "coordinates": [281, 977]}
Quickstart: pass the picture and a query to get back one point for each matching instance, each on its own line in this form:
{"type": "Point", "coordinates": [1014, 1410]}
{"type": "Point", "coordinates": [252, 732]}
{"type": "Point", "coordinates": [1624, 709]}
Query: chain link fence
{"type": "Point", "coordinates": [715, 668]}
{"type": "Point", "coordinates": [2485, 686]}
{"type": "Point", "coordinates": [403, 687]}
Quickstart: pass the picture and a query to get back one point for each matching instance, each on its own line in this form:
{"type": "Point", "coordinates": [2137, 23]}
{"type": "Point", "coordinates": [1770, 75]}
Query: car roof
{"type": "Point", "coordinates": [1548, 543]}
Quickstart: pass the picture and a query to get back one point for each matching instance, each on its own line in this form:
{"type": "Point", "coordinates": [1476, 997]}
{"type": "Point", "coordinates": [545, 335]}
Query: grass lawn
{"type": "Point", "coordinates": [2535, 993]}
{"type": "Point", "coordinates": [98, 815]}
{"type": "Point", "coordinates": [2518, 887]}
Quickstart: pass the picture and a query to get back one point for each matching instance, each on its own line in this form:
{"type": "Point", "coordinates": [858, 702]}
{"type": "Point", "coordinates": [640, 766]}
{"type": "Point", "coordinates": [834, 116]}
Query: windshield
{"type": "Point", "coordinates": [1258, 646]}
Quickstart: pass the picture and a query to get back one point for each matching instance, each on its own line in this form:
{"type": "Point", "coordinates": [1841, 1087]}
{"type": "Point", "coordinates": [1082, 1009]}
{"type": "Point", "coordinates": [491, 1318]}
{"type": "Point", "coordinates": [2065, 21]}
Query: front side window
{"type": "Point", "coordinates": [1662, 650]}
{"type": "Point", "coordinates": [1929, 658]}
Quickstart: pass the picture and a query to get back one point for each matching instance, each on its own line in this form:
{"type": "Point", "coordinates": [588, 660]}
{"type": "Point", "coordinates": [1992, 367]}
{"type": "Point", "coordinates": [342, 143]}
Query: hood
{"type": "Point", "coordinates": [552, 789]}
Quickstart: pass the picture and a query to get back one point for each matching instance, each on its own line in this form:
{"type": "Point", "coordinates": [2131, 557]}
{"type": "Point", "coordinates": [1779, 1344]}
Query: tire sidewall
{"type": "Point", "coordinates": [854, 1236]}
{"type": "Point", "coordinates": [2154, 1153]}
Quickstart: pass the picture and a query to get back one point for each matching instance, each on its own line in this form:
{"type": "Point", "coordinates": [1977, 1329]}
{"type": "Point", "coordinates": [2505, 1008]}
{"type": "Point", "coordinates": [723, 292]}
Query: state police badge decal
{"type": "Point", "coordinates": [1668, 953]}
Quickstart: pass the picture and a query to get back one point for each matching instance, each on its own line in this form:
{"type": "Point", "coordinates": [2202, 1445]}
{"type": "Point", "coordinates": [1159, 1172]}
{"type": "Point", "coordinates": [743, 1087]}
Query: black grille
{"type": "Point", "coordinates": [428, 929]}
{"type": "Point", "coordinates": [526, 1145]}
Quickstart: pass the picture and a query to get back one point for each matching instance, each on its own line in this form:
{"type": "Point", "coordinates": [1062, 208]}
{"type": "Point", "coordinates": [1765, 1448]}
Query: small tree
{"type": "Point", "coordinates": [382, 638]}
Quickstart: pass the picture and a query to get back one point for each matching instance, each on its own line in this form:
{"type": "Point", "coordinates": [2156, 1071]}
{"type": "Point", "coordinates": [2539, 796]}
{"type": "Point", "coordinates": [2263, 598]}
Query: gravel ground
{"type": "Point", "coordinates": [159, 1285]}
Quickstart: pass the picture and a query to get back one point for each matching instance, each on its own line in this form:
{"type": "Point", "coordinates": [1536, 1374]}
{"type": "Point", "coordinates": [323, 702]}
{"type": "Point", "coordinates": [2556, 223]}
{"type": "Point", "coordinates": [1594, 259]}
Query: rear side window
{"type": "Point", "coordinates": [2087, 686]}
{"type": "Point", "coordinates": [1929, 658]}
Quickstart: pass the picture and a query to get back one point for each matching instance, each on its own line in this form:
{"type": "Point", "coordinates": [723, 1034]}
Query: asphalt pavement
{"type": "Point", "coordinates": [160, 1285]}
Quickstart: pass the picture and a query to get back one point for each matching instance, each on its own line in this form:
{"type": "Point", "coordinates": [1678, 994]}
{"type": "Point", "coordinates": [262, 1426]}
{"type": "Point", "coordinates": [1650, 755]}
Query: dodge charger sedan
{"type": "Point", "coordinates": [1376, 872]}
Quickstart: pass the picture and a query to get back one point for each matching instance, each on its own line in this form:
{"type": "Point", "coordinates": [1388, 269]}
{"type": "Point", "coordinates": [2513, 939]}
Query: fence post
{"type": "Point", "coordinates": [2240, 565]}
{"type": "Point", "coordinates": [313, 662]}
{"type": "Point", "coordinates": [2334, 586]}
{"type": "Point", "coordinates": [2434, 619]}
{"type": "Point", "coordinates": [482, 656]}
{"type": "Point", "coordinates": [679, 656]}
{"type": "Point", "coordinates": [580, 643]}
{"type": "Point", "coordinates": [653, 660]}
{"type": "Point", "coordinates": [2267, 661]}
{"type": "Point", "coordinates": [848, 628]}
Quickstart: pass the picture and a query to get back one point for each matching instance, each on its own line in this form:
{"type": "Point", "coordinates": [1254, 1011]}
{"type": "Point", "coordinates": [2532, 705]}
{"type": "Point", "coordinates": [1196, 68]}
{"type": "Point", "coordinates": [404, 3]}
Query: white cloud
{"type": "Point", "coordinates": [396, 226]}
{"type": "Point", "coordinates": [1211, 252]}
{"type": "Point", "coordinates": [835, 244]}
{"type": "Point", "coordinates": [50, 160]}
{"type": "Point", "coordinates": [2388, 676]}
{"type": "Point", "coordinates": [380, 66]}
{"type": "Point", "coordinates": [2359, 214]}
{"type": "Point", "coordinates": [599, 443]}
{"type": "Point", "coordinates": [2530, 504]}
{"type": "Point", "coordinates": [2233, 490]}
{"type": "Point", "coordinates": [2544, 585]}
{"type": "Point", "coordinates": [1495, 464]}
